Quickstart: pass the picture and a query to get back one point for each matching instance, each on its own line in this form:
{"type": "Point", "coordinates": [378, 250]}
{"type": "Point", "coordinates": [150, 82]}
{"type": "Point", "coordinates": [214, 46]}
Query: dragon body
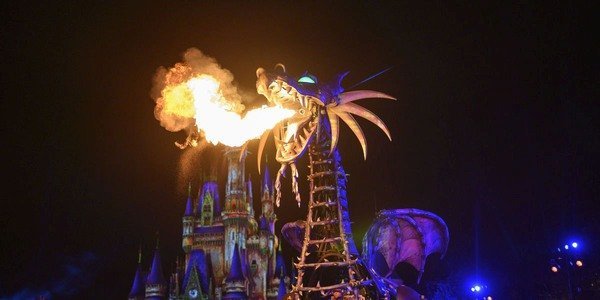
{"type": "Point", "coordinates": [329, 264]}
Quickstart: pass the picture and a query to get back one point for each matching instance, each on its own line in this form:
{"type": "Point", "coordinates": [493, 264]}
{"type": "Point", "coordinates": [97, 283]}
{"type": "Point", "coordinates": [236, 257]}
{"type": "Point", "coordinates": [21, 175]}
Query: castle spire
{"type": "Point", "coordinates": [137, 291]}
{"type": "Point", "coordinates": [267, 185]}
{"type": "Point", "coordinates": [188, 206]}
{"type": "Point", "coordinates": [235, 283]}
{"type": "Point", "coordinates": [235, 273]}
{"type": "Point", "coordinates": [156, 284]}
{"type": "Point", "coordinates": [250, 196]}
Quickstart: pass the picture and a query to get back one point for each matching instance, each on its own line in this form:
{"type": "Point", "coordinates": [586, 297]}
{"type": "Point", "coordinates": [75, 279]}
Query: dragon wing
{"type": "Point", "coordinates": [293, 233]}
{"type": "Point", "coordinates": [403, 235]}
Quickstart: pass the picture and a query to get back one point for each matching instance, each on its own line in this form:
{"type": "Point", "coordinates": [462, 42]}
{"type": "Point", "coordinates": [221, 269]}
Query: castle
{"type": "Point", "coordinates": [228, 253]}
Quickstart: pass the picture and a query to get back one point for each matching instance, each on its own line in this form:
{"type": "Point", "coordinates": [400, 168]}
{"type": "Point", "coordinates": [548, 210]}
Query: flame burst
{"type": "Point", "coordinates": [191, 99]}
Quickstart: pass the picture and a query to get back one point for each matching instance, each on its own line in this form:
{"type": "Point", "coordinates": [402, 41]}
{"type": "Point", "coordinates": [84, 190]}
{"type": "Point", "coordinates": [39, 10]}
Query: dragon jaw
{"type": "Point", "coordinates": [294, 134]}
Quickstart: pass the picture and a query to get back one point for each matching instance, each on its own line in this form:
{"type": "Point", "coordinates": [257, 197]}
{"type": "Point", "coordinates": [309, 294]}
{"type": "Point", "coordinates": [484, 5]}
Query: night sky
{"type": "Point", "coordinates": [495, 130]}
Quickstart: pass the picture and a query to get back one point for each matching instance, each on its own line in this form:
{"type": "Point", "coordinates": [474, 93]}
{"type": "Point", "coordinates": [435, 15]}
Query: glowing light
{"type": "Point", "coordinates": [574, 244]}
{"type": "Point", "coordinates": [200, 98]}
{"type": "Point", "coordinates": [489, 298]}
{"type": "Point", "coordinates": [306, 79]}
{"type": "Point", "coordinates": [554, 269]}
{"type": "Point", "coordinates": [579, 263]}
{"type": "Point", "coordinates": [566, 247]}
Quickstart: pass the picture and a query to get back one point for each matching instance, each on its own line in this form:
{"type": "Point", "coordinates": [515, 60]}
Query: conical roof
{"type": "Point", "coordinates": [138, 288]}
{"type": "Point", "coordinates": [282, 289]}
{"type": "Point", "coordinates": [156, 275]}
{"type": "Point", "coordinates": [198, 263]}
{"type": "Point", "coordinates": [189, 210]}
{"type": "Point", "coordinates": [210, 187]}
{"type": "Point", "coordinates": [266, 183]}
{"type": "Point", "coordinates": [235, 272]}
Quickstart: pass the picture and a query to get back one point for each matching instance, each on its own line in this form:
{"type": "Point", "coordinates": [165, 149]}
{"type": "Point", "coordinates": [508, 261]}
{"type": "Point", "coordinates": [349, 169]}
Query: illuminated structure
{"type": "Point", "coordinates": [304, 116]}
{"type": "Point", "coordinates": [329, 264]}
{"type": "Point", "coordinates": [228, 253]}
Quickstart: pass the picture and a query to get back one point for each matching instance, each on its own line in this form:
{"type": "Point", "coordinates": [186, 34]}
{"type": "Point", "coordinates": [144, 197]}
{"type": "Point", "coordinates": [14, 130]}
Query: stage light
{"type": "Point", "coordinates": [554, 269]}
{"type": "Point", "coordinates": [579, 263]}
{"type": "Point", "coordinates": [574, 244]}
{"type": "Point", "coordinates": [566, 247]}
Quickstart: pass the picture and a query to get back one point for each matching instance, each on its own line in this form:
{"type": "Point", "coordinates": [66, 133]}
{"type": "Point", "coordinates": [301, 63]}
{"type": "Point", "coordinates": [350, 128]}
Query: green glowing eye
{"type": "Point", "coordinates": [306, 79]}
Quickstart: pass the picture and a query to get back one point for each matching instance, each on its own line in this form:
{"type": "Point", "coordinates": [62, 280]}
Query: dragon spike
{"type": "Point", "coordinates": [243, 151]}
{"type": "Point", "coordinates": [365, 113]}
{"type": "Point", "coordinates": [351, 122]}
{"type": "Point", "coordinates": [340, 77]}
{"type": "Point", "coordinates": [261, 147]}
{"type": "Point", "coordinates": [362, 94]}
{"type": "Point", "coordinates": [295, 189]}
{"type": "Point", "coordinates": [334, 121]}
{"type": "Point", "coordinates": [280, 173]}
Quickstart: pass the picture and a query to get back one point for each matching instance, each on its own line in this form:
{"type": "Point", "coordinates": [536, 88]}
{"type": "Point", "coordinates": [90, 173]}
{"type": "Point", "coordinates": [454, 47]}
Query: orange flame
{"type": "Point", "coordinates": [201, 99]}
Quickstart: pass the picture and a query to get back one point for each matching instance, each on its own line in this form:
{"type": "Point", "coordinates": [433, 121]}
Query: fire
{"type": "Point", "coordinates": [202, 99]}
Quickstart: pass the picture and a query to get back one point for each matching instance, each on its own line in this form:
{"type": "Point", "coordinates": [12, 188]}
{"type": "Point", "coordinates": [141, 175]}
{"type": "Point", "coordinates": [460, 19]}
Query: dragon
{"type": "Point", "coordinates": [329, 264]}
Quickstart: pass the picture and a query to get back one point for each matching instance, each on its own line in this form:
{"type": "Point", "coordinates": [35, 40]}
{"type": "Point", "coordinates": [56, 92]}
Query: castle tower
{"type": "Point", "coordinates": [235, 283]}
{"type": "Point", "coordinates": [156, 285]}
{"type": "Point", "coordinates": [138, 291]}
{"type": "Point", "coordinates": [188, 223]}
{"type": "Point", "coordinates": [236, 212]}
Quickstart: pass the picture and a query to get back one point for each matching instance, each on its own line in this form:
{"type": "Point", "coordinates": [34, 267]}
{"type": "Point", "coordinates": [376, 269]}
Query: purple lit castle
{"type": "Point", "coordinates": [228, 253]}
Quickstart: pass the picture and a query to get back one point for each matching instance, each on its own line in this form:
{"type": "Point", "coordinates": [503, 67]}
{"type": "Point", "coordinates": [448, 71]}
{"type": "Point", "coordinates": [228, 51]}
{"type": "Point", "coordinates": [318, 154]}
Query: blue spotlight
{"type": "Point", "coordinates": [477, 288]}
{"type": "Point", "coordinates": [566, 247]}
{"type": "Point", "coordinates": [574, 244]}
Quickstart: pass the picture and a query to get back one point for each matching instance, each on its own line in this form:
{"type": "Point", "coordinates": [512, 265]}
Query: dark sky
{"type": "Point", "coordinates": [495, 128]}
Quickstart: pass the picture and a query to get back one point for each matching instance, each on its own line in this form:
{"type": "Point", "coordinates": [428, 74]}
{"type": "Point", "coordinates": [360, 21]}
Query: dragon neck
{"type": "Point", "coordinates": [325, 161]}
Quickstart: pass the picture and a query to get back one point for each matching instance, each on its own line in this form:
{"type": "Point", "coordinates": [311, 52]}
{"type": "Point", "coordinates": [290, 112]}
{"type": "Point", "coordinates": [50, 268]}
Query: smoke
{"type": "Point", "coordinates": [74, 275]}
{"type": "Point", "coordinates": [194, 63]}
{"type": "Point", "coordinates": [190, 162]}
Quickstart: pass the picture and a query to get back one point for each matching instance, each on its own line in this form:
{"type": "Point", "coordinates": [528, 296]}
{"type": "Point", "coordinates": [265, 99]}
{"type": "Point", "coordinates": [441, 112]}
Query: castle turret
{"type": "Point", "coordinates": [236, 212]}
{"type": "Point", "coordinates": [188, 223]}
{"type": "Point", "coordinates": [235, 283]}
{"type": "Point", "coordinates": [267, 199]}
{"type": "Point", "coordinates": [156, 285]}
{"type": "Point", "coordinates": [138, 288]}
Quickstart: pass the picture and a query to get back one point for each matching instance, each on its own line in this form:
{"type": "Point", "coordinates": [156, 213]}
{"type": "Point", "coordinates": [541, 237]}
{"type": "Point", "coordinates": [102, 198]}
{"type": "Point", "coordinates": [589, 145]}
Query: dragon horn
{"type": "Point", "coordinates": [349, 119]}
{"type": "Point", "coordinates": [365, 113]}
{"type": "Point", "coordinates": [362, 94]}
{"type": "Point", "coordinates": [334, 121]}
{"type": "Point", "coordinates": [261, 147]}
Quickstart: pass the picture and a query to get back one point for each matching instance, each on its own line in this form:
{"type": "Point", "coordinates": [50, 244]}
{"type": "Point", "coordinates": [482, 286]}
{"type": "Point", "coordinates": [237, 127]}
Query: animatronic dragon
{"type": "Point", "coordinates": [329, 262]}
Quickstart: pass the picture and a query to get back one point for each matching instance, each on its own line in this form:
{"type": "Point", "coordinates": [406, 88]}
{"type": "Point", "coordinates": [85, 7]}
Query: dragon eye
{"type": "Point", "coordinates": [301, 111]}
{"type": "Point", "coordinates": [306, 79]}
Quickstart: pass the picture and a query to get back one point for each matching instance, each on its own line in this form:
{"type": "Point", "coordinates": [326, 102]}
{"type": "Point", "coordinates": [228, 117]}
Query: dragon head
{"type": "Point", "coordinates": [311, 101]}
{"type": "Point", "coordinates": [300, 95]}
